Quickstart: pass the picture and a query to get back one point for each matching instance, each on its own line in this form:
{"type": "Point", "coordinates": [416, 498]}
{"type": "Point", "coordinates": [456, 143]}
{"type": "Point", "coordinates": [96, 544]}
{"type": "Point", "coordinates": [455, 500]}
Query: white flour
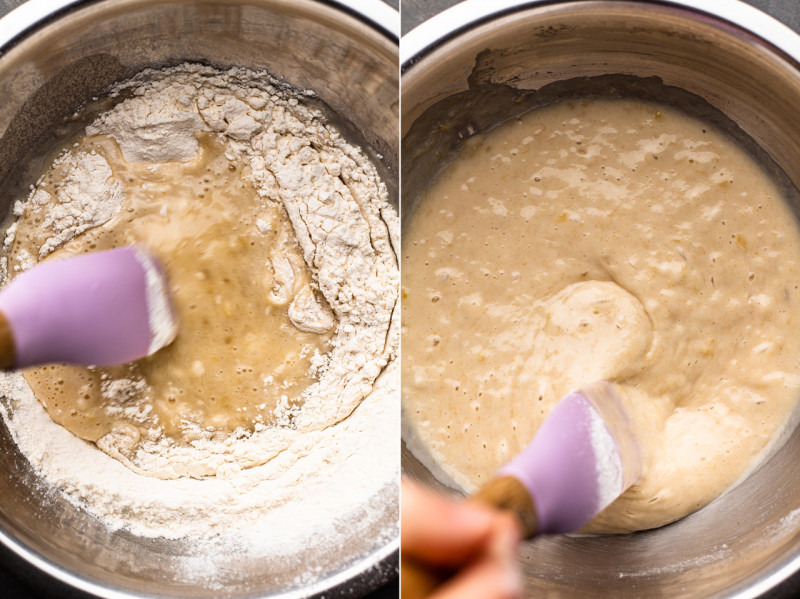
{"type": "Point", "coordinates": [90, 197]}
{"type": "Point", "coordinates": [163, 326]}
{"type": "Point", "coordinates": [340, 450]}
{"type": "Point", "coordinates": [608, 463]}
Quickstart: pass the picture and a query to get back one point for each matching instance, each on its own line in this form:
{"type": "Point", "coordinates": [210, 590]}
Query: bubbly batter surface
{"type": "Point", "coordinates": [603, 239]}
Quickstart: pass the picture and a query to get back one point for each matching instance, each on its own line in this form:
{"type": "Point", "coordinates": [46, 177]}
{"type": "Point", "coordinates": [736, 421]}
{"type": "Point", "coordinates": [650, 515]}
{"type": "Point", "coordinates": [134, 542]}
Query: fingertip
{"type": "Point", "coordinates": [476, 519]}
{"type": "Point", "coordinates": [442, 530]}
{"type": "Point", "coordinates": [504, 548]}
{"type": "Point", "coordinates": [506, 535]}
{"type": "Point", "coordinates": [419, 504]}
{"type": "Point", "coordinates": [489, 578]}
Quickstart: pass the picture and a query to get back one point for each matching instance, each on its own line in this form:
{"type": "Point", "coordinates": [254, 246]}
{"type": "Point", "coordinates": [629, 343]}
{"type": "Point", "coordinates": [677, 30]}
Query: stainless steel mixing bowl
{"type": "Point", "coordinates": [54, 56]}
{"type": "Point", "coordinates": [480, 63]}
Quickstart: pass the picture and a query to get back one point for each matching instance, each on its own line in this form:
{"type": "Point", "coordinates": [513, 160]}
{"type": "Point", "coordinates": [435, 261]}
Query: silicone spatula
{"type": "Point", "coordinates": [582, 458]}
{"type": "Point", "coordinates": [101, 309]}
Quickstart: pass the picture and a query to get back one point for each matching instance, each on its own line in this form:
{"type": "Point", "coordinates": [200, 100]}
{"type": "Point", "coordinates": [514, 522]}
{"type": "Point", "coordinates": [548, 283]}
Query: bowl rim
{"type": "Point", "coordinates": [342, 579]}
{"type": "Point", "coordinates": [449, 24]}
{"type": "Point", "coordinates": [31, 15]}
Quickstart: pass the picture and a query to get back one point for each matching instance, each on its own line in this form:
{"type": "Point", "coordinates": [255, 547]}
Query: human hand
{"type": "Point", "coordinates": [476, 544]}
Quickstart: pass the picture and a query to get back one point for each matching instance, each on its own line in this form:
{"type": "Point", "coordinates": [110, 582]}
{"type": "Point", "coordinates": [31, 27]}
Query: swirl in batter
{"type": "Point", "coordinates": [603, 239]}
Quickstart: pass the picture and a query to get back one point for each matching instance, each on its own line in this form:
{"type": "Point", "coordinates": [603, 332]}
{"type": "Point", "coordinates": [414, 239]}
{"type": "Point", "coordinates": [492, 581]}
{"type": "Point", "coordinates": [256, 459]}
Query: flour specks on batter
{"type": "Point", "coordinates": [277, 239]}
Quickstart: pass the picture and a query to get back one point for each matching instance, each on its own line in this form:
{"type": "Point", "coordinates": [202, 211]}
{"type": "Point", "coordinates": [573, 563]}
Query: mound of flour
{"type": "Point", "coordinates": [346, 426]}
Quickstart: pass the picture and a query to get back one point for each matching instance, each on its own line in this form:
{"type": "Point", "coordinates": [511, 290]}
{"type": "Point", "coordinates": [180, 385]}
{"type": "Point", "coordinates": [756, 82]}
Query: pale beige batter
{"type": "Point", "coordinates": [603, 239]}
{"type": "Point", "coordinates": [234, 270]}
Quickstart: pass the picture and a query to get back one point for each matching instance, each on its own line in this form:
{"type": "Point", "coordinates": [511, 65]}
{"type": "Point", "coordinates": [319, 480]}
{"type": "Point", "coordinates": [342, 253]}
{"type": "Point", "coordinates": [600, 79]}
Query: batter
{"type": "Point", "coordinates": [275, 236]}
{"type": "Point", "coordinates": [218, 373]}
{"type": "Point", "coordinates": [603, 239]}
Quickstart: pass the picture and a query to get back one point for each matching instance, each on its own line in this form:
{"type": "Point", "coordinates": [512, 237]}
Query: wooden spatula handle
{"type": "Point", "coordinates": [8, 352]}
{"type": "Point", "coordinates": [418, 580]}
{"type": "Point", "coordinates": [509, 494]}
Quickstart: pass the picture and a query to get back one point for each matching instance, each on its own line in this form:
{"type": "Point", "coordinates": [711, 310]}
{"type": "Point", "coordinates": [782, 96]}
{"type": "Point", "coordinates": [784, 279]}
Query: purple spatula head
{"type": "Point", "coordinates": [99, 309]}
{"type": "Point", "coordinates": [582, 458]}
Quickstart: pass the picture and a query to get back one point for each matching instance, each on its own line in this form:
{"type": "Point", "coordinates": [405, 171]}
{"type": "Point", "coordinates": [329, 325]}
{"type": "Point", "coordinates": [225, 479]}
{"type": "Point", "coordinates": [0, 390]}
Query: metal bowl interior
{"type": "Point", "coordinates": [56, 56]}
{"type": "Point", "coordinates": [471, 68]}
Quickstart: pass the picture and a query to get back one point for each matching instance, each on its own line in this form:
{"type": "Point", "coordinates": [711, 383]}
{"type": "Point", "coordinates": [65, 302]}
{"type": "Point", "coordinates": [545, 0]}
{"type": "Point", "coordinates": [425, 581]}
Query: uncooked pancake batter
{"type": "Point", "coordinates": [220, 372]}
{"type": "Point", "coordinates": [602, 239]}
{"type": "Point", "coordinates": [275, 236]}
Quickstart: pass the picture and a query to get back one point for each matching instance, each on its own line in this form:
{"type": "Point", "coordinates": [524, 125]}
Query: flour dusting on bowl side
{"type": "Point", "coordinates": [322, 455]}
